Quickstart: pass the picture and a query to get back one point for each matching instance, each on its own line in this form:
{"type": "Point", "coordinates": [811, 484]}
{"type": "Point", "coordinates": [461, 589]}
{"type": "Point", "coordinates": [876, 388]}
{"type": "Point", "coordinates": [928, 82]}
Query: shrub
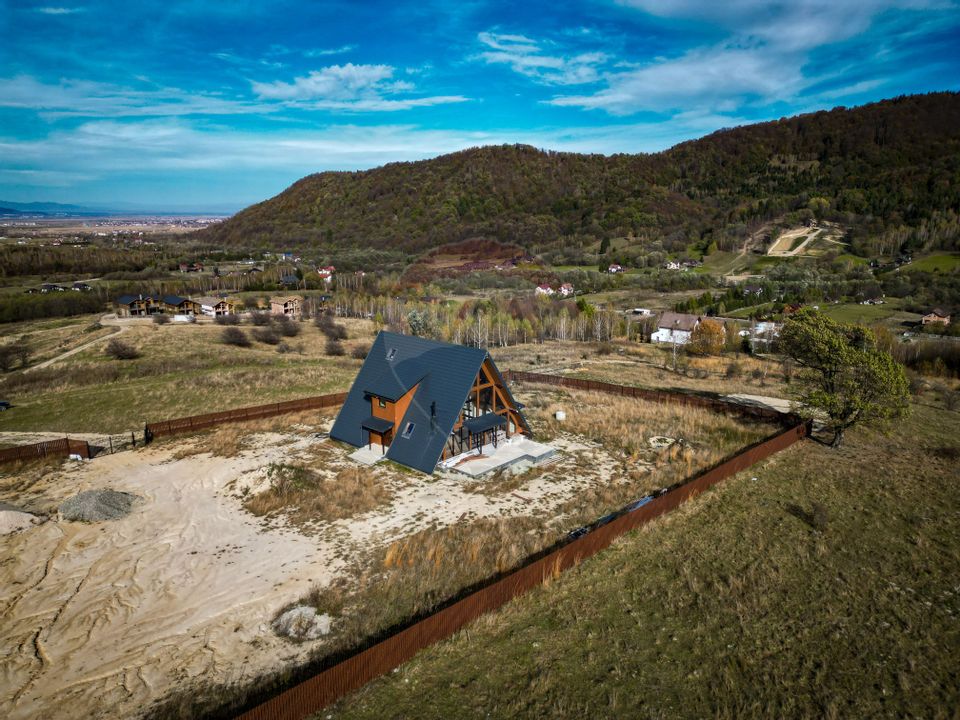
{"type": "Point", "coordinates": [235, 336]}
{"type": "Point", "coordinates": [120, 350]}
{"type": "Point", "coordinates": [360, 352]}
{"type": "Point", "coordinates": [227, 319]}
{"type": "Point", "coordinates": [7, 354]}
{"type": "Point", "coordinates": [335, 347]}
{"type": "Point", "coordinates": [288, 328]}
{"type": "Point", "coordinates": [266, 335]}
{"type": "Point", "coordinates": [260, 318]}
{"type": "Point", "coordinates": [161, 319]}
{"type": "Point", "coordinates": [734, 370]}
{"type": "Point", "coordinates": [604, 349]}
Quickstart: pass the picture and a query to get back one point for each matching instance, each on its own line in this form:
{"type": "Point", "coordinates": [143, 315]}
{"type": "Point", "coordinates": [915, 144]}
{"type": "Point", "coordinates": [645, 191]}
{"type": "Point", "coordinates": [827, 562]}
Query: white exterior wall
{"type": "Point", "coordinates": [668, 335]}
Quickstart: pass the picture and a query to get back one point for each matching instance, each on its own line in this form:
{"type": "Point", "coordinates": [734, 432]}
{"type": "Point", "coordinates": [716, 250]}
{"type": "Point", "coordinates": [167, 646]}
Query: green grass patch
{"type": "Point", "coordinates": [939, 262]}
{"type": "Point", "coordinates": [820, 583]}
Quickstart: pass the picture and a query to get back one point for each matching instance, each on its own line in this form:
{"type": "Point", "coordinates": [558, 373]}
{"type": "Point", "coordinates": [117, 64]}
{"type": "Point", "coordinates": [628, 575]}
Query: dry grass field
{"type": "Point", "coordinates": [803, 587]}
{"type": "Point", "coordinates": [183, 369]}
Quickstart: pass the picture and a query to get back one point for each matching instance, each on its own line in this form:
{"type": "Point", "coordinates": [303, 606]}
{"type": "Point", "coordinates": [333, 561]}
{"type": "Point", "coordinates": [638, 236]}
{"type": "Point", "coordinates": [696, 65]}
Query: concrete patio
{"type": "Point", "coordinates": [518, 449]}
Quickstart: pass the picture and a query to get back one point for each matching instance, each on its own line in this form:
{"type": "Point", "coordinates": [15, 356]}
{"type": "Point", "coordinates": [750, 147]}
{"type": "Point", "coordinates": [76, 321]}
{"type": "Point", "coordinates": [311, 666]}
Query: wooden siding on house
{"type": "Point", "coordinates": [393, 412]}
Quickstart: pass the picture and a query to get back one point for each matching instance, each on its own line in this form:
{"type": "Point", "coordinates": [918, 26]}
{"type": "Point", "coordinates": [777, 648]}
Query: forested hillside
{"type": "Point", "coordinates": [890, 171]}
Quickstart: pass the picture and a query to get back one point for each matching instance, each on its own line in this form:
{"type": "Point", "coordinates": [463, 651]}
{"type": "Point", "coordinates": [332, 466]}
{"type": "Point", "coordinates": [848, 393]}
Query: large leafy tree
{"type": "Point", "coordinates": [844, 374]}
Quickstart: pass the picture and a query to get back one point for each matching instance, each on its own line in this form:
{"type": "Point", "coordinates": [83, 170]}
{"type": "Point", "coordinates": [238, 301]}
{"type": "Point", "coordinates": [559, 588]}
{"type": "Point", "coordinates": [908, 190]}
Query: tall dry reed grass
{"type": "Point", "coordinates": [302, 495]}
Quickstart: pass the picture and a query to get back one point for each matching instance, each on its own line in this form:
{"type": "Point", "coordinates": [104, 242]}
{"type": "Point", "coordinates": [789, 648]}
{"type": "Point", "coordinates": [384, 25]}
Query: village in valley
{"type": "Point", "coordinates": [366, 361]}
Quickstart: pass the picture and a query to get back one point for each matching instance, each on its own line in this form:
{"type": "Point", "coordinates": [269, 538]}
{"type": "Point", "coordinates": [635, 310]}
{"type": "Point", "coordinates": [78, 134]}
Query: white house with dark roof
{"type": "Point", "coordinates": [675, 328]}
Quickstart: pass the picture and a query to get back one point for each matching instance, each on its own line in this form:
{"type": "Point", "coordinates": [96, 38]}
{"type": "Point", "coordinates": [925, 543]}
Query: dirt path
{"type": "Point", "coordinates": [74, 351]}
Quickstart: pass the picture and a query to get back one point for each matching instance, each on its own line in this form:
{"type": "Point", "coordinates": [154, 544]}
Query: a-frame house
{"type": "Point", "coordinates": [421, 401]}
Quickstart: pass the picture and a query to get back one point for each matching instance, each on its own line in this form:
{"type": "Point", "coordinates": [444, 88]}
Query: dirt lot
{"type": "Point", "coordinates": [103, 619]}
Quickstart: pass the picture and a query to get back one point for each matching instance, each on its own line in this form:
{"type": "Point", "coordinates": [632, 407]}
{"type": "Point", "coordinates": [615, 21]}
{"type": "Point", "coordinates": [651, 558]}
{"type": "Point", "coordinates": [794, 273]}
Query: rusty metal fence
{"type": "Point", "coordinates": [351, 674]}
{"type": "Point", "coordinates": [62, 447]}
{"type": "Point", "coordinates": [256, 412]}
{"type": "Point", "coordinates": [675, 397]}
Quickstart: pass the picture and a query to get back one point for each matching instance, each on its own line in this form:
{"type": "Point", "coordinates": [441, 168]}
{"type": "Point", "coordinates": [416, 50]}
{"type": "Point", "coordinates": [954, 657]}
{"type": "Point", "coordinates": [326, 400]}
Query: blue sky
{"type": "Point", "coordinates": [215, 105]}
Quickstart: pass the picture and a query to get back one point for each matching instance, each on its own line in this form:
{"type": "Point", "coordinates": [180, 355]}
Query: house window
{"type": "Point", "coordinates": [408, 430]}
{"type": "Point", "coordinates": [381, 402]}
{"type": "Point", "coordinates": [391, 353]}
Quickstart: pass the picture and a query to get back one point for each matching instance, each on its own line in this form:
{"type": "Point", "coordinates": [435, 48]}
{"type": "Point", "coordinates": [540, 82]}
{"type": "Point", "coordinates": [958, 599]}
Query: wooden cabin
{"type": "Point", "coordinates": [215, 307]}
{"type": "Point", "coordinates": [935, 317]}
{"type": "Point", "coordinates": [288, 305]}
{"type": "Point", "coordinates": [137, 306]}
{"type": "Point", "coordinates": [176, 305]}
{"type": "Point", "coordinates": [422, 401]}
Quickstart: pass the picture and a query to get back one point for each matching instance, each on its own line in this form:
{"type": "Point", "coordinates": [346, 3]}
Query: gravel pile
{"type": "Point", "coordinates": [302, 623]}
{"type": "Point", "coordinates": [96, 505]}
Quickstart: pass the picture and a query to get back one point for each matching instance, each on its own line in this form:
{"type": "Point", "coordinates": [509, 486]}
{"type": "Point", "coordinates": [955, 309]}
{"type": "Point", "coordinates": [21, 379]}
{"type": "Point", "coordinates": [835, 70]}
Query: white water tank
{"type": "Point", "coordinates": [560, 415]}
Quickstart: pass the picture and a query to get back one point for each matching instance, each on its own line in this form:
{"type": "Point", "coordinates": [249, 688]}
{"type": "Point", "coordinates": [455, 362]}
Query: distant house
{"type": "Point", "coordinates": [288, 305]}
{"type": "Point", "coordinates": [81, 287]}
{"type": "Point", "coordinates": [215, 307]}
{"type": "Point", "coordinates": [764, 333]}
{"type": "Point", "coordinates": [137, 306]}
{"type": "Point", "coordinates": [614, 268]}
{"type": "Point", "coordinates": [672, 265]}
{"type": "Point", "coordinates": [191, 267]}
{"type": "Point", "coordinates": [176, 305]}
{"type": "Point", "coordinates": [642, 312]}
{"type": "Point", "coordinates": [289, 280]}
{"type": "Point", "coordinates": [51, 287]}
{"type": "Point", "coordinates": [872, 301]}
{"type": "Point", "coordinates": [752, 290]}
{"type": "Point", "coordinates": [545, 290]}
{"type": "Point", "coordinates": [566, 289]}
{"type": "Point", "coordinates": [422, 401]}
{"type": "Point", "coordinates": [934, 317]}
{"type": "Point", "coordinates": [326, 273]}
{"type": "Point", "coordinates": [675, 328]}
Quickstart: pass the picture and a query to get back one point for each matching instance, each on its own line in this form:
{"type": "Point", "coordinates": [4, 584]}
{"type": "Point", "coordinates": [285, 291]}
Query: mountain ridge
{"type": "Point", "coordinates": [878, 166]}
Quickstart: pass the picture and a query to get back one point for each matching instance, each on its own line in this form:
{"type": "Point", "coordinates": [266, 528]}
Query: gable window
{"type": "Point", "coordinates": [391, 353]}
{"type": "Point", "coordinates": [381, 402]}
{"type": "Point", "coordinates": [408, 430]}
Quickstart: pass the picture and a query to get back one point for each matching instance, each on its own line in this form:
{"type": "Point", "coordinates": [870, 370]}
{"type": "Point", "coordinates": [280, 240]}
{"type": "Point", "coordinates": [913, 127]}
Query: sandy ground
{"type": "Point", "coordinates": [99, 619]}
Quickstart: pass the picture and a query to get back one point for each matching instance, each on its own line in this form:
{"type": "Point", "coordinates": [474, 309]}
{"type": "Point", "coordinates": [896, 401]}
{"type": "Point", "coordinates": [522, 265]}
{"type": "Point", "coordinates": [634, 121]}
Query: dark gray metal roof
{"type": "Point", "coordinates": [394, 382]}
{"type": "Point", "coordinates": [485, 422]}
{"type": "Point", "coordinates": [377, 424]}
{"type": "Point", "coordinates": [445, 374]}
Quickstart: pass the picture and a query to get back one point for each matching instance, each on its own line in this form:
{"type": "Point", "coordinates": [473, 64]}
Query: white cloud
{"type": "Point", "coordinates": [526, 57]}
{"type": "Point", "coordinates": [699, 78]}
{"type": "Point", "coordinates": [58, 10]}
{"type": "Point", "coordinates": [177, 147]}
{"type": "Point", "coordinates": [324, 52]}
{"type": "Point", "coordinates": [764, 59]}
{"type": "Point", "coordinates": [87, 98]}
{"type": "Point", "coordinates": [359, 88]}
